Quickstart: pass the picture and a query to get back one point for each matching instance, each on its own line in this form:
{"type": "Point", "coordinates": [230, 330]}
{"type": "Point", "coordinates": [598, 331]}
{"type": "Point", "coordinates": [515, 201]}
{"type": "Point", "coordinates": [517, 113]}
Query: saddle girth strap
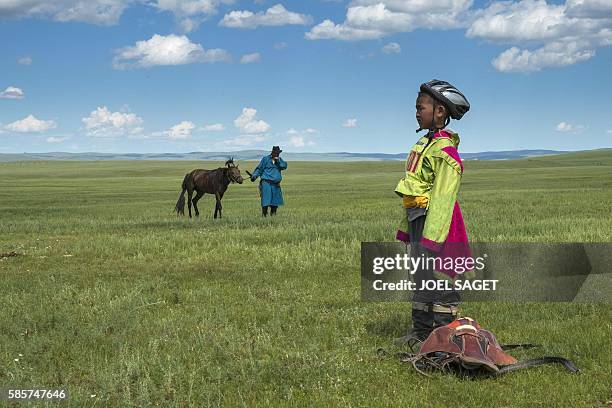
{"type": "Point", "coordinates": [569, 365]}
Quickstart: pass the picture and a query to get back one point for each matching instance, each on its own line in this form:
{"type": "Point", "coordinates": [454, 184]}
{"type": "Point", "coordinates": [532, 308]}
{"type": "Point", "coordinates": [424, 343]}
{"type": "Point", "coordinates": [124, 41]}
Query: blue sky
{"type": "Point", "coordinates": [317, 76]}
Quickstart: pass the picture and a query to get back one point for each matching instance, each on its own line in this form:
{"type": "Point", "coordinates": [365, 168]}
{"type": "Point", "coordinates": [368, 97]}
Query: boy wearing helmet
{"type": "Point", "coordinates": [432, 222]}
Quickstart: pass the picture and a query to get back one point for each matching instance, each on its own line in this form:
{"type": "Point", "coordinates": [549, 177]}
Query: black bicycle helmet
{"type": "Point", "coordinates": [456, 103]}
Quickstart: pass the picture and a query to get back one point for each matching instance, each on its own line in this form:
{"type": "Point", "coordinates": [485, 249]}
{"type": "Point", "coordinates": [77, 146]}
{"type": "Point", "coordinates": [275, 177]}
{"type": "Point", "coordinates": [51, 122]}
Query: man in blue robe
{"type": "Point", "coordinates": [269, 170]}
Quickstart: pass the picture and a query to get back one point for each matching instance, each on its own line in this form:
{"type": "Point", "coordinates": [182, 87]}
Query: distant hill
{"type": "Point", "coordinates": [257, 154]}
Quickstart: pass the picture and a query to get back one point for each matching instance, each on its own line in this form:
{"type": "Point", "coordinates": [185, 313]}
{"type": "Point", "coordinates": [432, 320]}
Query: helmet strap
{"type": "Point", "coordinates": [433, 126]}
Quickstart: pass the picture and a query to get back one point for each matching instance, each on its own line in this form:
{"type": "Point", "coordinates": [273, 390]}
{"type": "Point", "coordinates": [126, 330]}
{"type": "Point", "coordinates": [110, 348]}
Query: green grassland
{"type": "Point", "coordinates": [124, 303]}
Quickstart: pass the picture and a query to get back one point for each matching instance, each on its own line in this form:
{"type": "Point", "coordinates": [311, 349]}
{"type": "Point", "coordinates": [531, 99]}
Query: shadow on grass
{"type": "Point", "coordinates": [10, 255]}
{"type": "Point", "coordinates": [395, 325]}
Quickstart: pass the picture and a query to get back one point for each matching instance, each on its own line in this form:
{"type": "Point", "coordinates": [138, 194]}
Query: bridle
{"type": "Point", "coordinates": [229, 175]}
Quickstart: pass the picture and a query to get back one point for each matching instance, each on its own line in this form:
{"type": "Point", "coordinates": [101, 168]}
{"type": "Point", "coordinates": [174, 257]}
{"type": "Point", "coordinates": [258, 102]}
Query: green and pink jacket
{"type": "Point", "coordinates": [434, 171]}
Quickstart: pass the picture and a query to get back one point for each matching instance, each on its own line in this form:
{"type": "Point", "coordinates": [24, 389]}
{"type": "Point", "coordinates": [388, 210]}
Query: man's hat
{"type": "Point", "coordinates": [276, 149]}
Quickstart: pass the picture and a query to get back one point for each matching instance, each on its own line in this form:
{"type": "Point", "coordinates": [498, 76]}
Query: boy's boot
{"type": "Point", "coordinates": [444, 314]}
{"type": "Point", "coordinates": [422, 325]}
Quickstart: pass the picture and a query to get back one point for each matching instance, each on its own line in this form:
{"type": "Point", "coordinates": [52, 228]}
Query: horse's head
{"type": "Point", "coordinates": [233, 172]}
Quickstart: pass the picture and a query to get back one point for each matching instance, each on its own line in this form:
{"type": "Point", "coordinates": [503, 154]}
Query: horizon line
{"type": "Point", "coordinates": [291, 152]}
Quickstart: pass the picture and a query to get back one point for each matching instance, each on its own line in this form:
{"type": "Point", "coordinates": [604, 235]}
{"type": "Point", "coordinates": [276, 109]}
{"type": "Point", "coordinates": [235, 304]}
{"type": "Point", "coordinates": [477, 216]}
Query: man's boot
{"type": "Point", "coordinates": [264, 211]}
{"type": "Point", "coordinates": [422, 325]}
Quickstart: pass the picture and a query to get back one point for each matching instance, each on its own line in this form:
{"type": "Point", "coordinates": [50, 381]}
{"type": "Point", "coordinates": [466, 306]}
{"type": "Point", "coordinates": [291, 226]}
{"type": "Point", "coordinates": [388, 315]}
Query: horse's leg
{"type": "Point", "coordinates": [217, 205]}
{"type": "Point", "coordinates": [199, 195]}
{"type": "Point", "coordinates": [220, 205]}
{"type": "Point", "coordinates": [189, 195]}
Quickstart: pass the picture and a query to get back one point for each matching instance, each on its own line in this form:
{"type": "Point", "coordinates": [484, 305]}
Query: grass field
{"type": "Point", "coordinates": [122, 303]}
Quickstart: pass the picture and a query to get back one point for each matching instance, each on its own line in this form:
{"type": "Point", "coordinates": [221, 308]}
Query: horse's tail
{"type": "Point", "coordinates": [180, 204]}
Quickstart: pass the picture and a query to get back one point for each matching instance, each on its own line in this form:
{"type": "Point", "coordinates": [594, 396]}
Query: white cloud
{"type": "Point", "coordinates": [25, 61]}
{"type": "Point", "coordinates": [190, 13]}
{"type": "Point", "coordinates": [350, 123]}
{"type": "Point", "coordinates": [609, 131]}
{"type": "Point", "coordinates": [104, 123]}
{"type": "Point", "coordinates": [552, 35]}
{"type": "Point", "coordinates": [187, 25]}
{"type": "Point", "coordinates": [392, 48]}
{"type": "Point", "coordinates": [299, 138]}
{"type": "Point", "coordinates": [188, 7]}
{"type": "Point", "coordinates": [567, 127]}
{"type": "Point", "coordinates": [369, 19]}
{"type": "Point", "coordinates": [136, 131]}
{"type": "Point", "coordinates": [293, 131]}
{"type": "Point", "coordinates": [216, 127]}
{"type": "Point", "coordinates": [247, 123]}
{"type": "Point", "coordinates": [297, 141]}
{"type": "Point", "coordinates": [30, 124]}
{"type": "Point", "coordinates": [564, 127]}
{"type": "Point", "coordinates": [524, 20]}
{"type": "Point", "coordinates": [243, 140]}
{"type": "Point", "coordinates": [276, 15]}
{"type": "Point", "coordinates": [55, 139]}
{"type": "Point", "coordinates": [589, 8]}
{"type": "Point", "coordinates": [250, 58]}
{"type": "Point", "coordinates": [181, 131]}
{"type": "Point", "coordinates": [280, 45]}
{"type": "Point", "coordinates": [101, 12]}
{"type": "Point", "coordinates": [166, 50]}
{"type": "Point", "coordinates": [328, 30]}
{"type": "Point", "coordinates": [417, 6]}
{"type": "Point", "coordinates": [379, 17]}
{"type": "Point", "coordinates": [555, 54]}
{"type": "Point", "coordinates": [540, 35]}
{"type": "Point", "coordinates": [12, 92]}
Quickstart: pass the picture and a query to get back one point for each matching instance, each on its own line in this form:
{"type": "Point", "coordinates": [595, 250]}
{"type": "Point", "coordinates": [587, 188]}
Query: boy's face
{"type": "Point", "coordinates": [424, 111]}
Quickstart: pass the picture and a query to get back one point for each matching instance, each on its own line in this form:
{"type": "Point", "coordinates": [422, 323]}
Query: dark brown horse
{"type": "Point", "coordinates": [207, 181]}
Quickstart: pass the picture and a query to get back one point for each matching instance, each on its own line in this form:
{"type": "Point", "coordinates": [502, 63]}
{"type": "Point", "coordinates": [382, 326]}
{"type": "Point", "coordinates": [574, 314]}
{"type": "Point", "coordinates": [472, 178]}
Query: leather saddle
{"type": "Point", "coordinates": [466, 348]}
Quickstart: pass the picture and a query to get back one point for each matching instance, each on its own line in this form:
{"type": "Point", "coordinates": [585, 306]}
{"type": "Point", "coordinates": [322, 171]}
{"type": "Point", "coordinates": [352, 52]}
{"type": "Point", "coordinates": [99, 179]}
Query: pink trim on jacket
{"type": "Point", "coordinates": [452, 152]}
{"type": "Point", "coordinates": [443, 133]}
{"type": "Point", "coordinates": [456, 244]}
{"type": "Point", "coordinates": [402, 236]}
{"type": "Point", "coordinates": [431, 245]}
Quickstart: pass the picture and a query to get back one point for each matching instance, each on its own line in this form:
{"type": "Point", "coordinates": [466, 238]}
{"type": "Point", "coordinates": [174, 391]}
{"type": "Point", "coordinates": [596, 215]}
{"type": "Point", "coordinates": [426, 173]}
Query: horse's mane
{"type": "Point", "coordinates": [222, 173]}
